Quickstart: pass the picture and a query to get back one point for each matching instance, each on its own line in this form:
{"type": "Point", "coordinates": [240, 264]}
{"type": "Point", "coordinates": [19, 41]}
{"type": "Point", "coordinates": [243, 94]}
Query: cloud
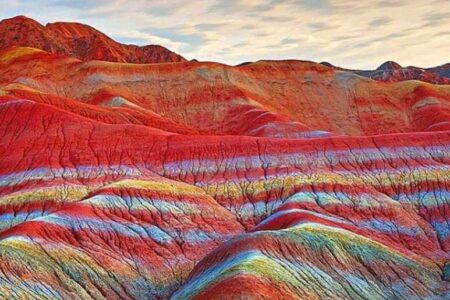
{"type": "Point", "coordinates": [139, 37]}
{"type": "Point", "coordinates": [203, 27]}
{"type": "Point", "coordinates": [177, 34]}
{"type": "Point", "coordinates": [290, 41]}
{"type": "Point", "coordinates": [321, 26]}
{"type": "Point", "coordinates": [392, 3]}
{"type": "Point", "coordinates": [315, 4]}
{"type": "Point", "coordinates": [87, 4]}
{"type": "Point", "coordinates": [380, 21]}
{"type": "Point", "coordinates": [277, 19]}
{"type": "Point", "coordinates": [442, 33]}
{"type": "Point", "coordinates": [350, 33]}
{"type": "Point", "coordinates": [437, 19]}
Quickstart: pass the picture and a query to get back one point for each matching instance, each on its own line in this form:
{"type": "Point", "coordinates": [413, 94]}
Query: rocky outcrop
{"type": "Point", "coordinates": [198, 180]}
{"type": "Point", "coordinates": [79, 41]}
{"type": "Point", "coordinates": [391, 71]}
{"type": "Point", "coordinates": [389, 66]}
{"type": "Point", "coordinates": [116, 211]}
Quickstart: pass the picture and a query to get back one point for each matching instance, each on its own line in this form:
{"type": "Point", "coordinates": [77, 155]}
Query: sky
{"type": "Point", "coordinates": [358, 34]}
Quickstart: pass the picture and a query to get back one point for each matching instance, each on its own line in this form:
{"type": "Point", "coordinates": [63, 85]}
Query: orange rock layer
{"type": "Point", "coordinates": [191, 180]}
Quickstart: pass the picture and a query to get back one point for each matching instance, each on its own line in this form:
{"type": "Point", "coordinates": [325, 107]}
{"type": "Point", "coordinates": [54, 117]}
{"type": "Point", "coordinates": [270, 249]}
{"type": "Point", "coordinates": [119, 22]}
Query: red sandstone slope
{"type": "Point", "coordinates": [132, 211]}
{"type": "Point", "coordinates": [78, 40]}
{"type": "Point", "coordinates": [268, 98]}
{"type": "Point", "coordinates": [275, 179]}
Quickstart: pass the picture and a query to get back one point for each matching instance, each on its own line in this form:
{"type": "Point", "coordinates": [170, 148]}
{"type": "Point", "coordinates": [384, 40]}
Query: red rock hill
{"type": "Point", "coordinates": [78, 40]}
{"type": "Point", "coordinates": [198, 180]}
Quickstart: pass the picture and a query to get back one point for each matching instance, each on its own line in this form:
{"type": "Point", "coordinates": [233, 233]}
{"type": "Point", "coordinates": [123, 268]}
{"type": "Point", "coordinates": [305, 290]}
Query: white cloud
{"type": "Point", "coordinates": [134, 36]}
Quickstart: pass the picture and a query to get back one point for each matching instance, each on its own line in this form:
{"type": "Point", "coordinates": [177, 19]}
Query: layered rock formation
{"type": "Point", "coordinates": [190, 180]}
{"type": "Point", "coordinates": [78, 40]}
{"type": "Point", "coordinates": [391, 71]}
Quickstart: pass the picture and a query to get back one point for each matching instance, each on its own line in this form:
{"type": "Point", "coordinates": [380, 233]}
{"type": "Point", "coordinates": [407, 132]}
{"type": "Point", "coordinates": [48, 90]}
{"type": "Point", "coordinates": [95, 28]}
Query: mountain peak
{"type": "Point", "coordinates": [20, 19]}
{"type": "Point", "coordinates": [73, 29]}
{"type": "Point", "coordinates": [78, 40]}
{"type": "Point", "coordinates": [19, 22]}
{"type": "Point", "coordinates": [389, 65]}
{"type": "Point", "coordinates": [327, 64]}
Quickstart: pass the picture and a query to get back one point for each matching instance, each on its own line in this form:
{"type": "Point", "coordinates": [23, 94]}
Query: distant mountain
{"type": "Point", "coordinates": [389, 66]}
{"type": "Point", "coordinates": [78, 40]}
{"type": "Point", "coordinates": [392, 72]}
